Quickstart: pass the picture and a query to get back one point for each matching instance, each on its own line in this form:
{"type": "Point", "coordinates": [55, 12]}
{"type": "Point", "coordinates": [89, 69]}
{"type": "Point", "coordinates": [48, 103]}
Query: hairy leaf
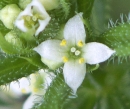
{"type": "Point", "coordinates": [13, 68]}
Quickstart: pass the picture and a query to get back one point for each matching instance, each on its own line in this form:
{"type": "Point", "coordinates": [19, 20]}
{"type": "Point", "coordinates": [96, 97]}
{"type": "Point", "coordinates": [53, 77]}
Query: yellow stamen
{"type": "Point", "coordinates": [63, 42]}
{"type": "Point", "coordinates": [23, 90]}
{"type": "Point", "coordinates": [80, 43]}
{"type": "Point", "coordinates": [81, 60]}
{"type": "Point", "coordinates": [35, 90]}
{"type": "Point", "coordinates": [65, 59]}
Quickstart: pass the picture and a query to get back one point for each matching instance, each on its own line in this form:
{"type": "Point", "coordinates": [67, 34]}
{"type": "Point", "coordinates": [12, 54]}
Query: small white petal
{"type": "Point", "coordinates": [29, 103]}
{"type": "Point", "coordinates": [27, 11]}
{"type": "Point", "coordinates": [21, 87]}
{"type": "Point", "coordinates": [20, 22]}
{"type": "Point", "coordinates": [74, 29]}
{"type": "Point", "coordinates": [40, 81]}
{"type": "Point", "coordinates": [43, 24]}
{"type": "Point", "coordinates": [20, 25]}
{"type": "Point", "coordinates": [51, 50]}
{"type": "Point", "coordinates": [39, 7]}
{"type": "Point", "coordinates": [51, 64]}
{"type": "Point", "coordinates": [74, 74]}
{"type": "Point", "coordinates": [95, 53]}
{"type": "Point", "coordinates": [48, 77]}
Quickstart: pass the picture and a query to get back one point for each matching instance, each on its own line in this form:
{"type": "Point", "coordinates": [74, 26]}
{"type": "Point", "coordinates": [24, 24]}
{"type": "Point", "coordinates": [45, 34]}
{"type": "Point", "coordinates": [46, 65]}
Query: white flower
{"type": "Point", "coordinates": [39, 84]}
{"type": "Point", "coordinates": [40, 81]}
{"type": "Point", "coordinates": [33, 17]}
{"type": "Point", "coordinates": [18, 88]}
{"type": "Point", "coordinates": [73, 51]}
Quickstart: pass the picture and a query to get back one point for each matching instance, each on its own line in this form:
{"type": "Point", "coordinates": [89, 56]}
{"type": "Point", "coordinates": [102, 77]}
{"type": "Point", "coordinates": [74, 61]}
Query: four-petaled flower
{"type": "Point", "coordinates": [73, 51]}
{"type": "Point", "coordinates": [33, 17]}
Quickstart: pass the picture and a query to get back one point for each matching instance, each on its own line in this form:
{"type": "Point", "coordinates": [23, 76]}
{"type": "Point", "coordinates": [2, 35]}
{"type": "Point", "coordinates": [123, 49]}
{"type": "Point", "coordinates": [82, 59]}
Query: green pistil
{"type": "Point", "coordinates": [31, 21]}
{"type": "Point", "coordinates": [74, 53]}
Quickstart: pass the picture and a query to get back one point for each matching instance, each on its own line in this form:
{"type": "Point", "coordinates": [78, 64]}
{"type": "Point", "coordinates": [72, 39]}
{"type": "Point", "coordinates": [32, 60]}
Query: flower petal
{"type": "Point", "coordinates": [95, 53]}
{"type": "Point", "coordinates": [51, 64]}
{"type": "Point", "coordinates": [47, 77]}
{"type": "Point", "coordinates": [20, 22]}
{"type": "Point", "coordinates": [41, 10]}
{"type": "Point", "coordinates": [39, 7]}
{"type": "Point", "coordinates": [40, 81]}
{"type": "Point", "coordinates": [51, 50]}
{"type": "Point", "coordinates": [29, 103]}
{"type": "Point", "coordinates": [74, 30]}
{"type": "Point", "coordinates": [20, 25]}
{"type": "Point", "coordinates": [21, 87]}
{"type": "Point", "coordinates": [43, 24]}
{"type": "Point", "coordinates": [74, 74]}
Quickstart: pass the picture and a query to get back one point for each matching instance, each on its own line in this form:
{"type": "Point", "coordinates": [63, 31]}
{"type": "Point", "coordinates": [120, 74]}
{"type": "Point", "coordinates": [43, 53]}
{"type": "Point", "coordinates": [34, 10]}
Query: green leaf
{"type": "Point", "coordinates": [13, 68]}
{"type": "Point", "coordinates": [51, 31]}
{"type": "Point", "coordinates": [100, 15]}
{"type": "Point", "coordinates": [118, 38]}
{"type": "Point", "coordinates": [65, 6]}
{"type": "Point", "coordinates": [34, 60]}
{"type": "Point", "coordinates": [6, 2]}
{"type": "Point", "coordinates": [7, 47]}
{"type": "Point", "coordinates": [85, 6]}
{"type": "Point", "coordinates": [3, 29]}
{"type": "Point", "coordinates": [11, 49]}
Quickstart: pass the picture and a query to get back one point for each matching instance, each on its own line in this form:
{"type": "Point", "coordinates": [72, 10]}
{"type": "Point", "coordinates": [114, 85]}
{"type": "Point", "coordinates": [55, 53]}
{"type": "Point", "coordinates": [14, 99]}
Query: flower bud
{"type": "Point", "coordinates": [8, 15]}
{"type": "Point", "coordinates": [24, 3]}
{"type": "Point", "coordinates": [41, 84]}
{"type": "Point", "coordinates": [12, 38]}
{"type": "Point", "coordinates": [50, 4]}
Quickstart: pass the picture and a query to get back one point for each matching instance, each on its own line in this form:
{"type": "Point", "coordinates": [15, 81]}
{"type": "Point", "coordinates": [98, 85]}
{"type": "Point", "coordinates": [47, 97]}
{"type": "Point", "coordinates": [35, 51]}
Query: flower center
{"type": "Point", "coordinates": [32, 21]}
{"type": "Point", "coordinates": [73, 49]}
{"type": "Point", "coordinates": [77, 52]}
{"type": "Point", "coordinates": [74, 52]}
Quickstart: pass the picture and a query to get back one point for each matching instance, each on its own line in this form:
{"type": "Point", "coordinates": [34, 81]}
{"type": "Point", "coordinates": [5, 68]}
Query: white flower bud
{"type": "Point", "coordinates": [39, 86]}
{"type": "Point", "coordinates": [12, 38]}
{"type": "Point", "coordinates": [24, 3]}
{"type": "Point", "coordinates": [50, 4]}
{"type": "Point", "coordinates": [8, 15]}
